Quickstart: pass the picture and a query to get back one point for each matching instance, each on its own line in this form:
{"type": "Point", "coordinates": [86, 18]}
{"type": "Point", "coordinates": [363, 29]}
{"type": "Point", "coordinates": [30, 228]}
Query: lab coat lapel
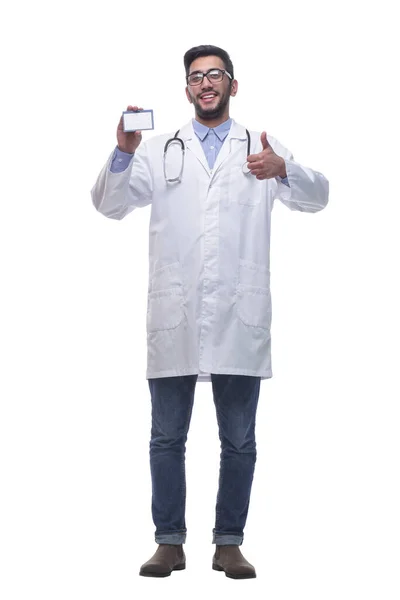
{"type": "Point", "coordinates": [193, 144]}
{"type": "Point", "coordinates": [232, 144]}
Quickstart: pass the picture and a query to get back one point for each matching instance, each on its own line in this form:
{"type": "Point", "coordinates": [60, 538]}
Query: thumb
{"type": "Point", "coordinates": [264, 141]}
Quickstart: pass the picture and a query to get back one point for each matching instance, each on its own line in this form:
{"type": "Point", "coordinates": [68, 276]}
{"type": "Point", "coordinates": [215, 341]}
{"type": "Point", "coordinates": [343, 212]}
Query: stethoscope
{"type": "Point", "coordinates": [180, 142]}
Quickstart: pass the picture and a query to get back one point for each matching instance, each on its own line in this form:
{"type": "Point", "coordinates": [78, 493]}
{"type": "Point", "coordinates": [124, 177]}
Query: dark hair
{"type": "Point", "coordinates": [199, 51]}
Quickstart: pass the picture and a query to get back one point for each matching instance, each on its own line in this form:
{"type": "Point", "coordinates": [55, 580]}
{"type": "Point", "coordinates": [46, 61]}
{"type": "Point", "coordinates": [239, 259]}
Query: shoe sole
{"type": "Point", "coordinates": [154, 574]}
{"type": "Point", "coordinates": [231, 575]}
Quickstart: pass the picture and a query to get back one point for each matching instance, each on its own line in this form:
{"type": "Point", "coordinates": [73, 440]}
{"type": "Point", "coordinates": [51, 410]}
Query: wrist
{"type": "Point", "coordinates": [282, 172]}
{"type": "Point", "coordinates": [126, 150]}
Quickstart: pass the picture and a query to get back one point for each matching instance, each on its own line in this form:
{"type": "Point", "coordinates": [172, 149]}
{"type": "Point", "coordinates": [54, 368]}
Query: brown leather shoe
{"type": "Point", "coordinates": [167, 558]}
{"type": "Point", "coordinates": [232, 561]}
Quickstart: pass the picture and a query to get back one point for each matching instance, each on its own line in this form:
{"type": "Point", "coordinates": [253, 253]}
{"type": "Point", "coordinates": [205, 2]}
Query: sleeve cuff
{"type": "Point", "coordinates": [120, 161]}
{"type": "Point", "coordinates": [284, 180]}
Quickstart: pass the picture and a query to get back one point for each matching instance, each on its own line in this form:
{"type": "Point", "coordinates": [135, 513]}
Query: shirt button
{"type": "Point", "coordinates": [212, 147]}
{"type": "Point", "coordinates": [120, 160]}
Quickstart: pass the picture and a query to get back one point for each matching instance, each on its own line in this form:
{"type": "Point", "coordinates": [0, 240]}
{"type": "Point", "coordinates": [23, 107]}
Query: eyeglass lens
{"type": "Point", "coordinates": [214, 75]}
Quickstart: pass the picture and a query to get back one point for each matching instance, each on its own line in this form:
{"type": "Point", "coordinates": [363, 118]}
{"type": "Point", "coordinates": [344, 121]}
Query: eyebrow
{"type": "Point", "coordinates": [198, 71]}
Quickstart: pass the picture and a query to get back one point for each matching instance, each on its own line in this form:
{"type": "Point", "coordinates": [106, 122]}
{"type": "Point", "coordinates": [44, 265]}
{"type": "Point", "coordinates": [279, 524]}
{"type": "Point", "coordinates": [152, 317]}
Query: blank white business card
{"type": "Point", "coordinates": [138, 121]}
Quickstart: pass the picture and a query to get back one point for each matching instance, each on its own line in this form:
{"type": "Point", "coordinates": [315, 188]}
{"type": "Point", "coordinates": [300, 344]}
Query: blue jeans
{"type": "Point", "coordinates": [236, 400]}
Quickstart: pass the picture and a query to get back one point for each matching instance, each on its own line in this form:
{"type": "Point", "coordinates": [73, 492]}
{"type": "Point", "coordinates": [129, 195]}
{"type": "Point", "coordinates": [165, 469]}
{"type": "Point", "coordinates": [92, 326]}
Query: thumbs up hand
{"type": "Point", "coordinates": [264, 140]}
{"type": "Point", "coordinates": [266, 164]}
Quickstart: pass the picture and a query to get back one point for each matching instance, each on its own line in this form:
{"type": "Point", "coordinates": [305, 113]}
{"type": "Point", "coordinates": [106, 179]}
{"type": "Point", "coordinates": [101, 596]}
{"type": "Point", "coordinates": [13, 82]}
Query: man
{"type": "Point", "coordinates": [209, 304]}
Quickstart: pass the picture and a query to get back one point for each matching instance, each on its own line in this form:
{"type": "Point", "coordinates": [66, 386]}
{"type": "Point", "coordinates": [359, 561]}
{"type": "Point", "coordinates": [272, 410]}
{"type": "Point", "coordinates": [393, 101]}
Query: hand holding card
{"type": "Point", "coordinates": [129, 138]}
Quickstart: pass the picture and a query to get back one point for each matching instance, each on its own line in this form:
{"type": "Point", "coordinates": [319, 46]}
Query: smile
{"type": "Point", "coordinates": [208, 97]}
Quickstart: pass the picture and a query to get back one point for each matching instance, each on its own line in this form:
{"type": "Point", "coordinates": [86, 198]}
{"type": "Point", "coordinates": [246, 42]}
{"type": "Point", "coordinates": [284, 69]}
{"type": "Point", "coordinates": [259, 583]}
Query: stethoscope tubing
{"type": "Point", "coordinates": [179, 140]}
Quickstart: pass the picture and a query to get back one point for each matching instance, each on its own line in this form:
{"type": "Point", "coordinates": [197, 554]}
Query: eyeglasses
{"type": "Point", "coordinates": [213, 76]}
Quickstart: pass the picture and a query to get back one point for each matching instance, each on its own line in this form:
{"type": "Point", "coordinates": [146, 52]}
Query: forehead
{"type": "Point", "coordinates": [206, 62]}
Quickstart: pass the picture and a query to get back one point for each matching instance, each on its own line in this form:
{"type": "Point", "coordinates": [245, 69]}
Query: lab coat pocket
{"type": "Point", "coordinates": [254, 306]}
{"type": "Point", "coordinates": [166, 277]}
{"type": "Point", "coordinates": [253, 294]}
{"type": "Point", "coordinates": [166, 298]}
{"type": "Point", "coordinates": [165, 309]}
{"type": "Point", "coordinates": [243, 187]}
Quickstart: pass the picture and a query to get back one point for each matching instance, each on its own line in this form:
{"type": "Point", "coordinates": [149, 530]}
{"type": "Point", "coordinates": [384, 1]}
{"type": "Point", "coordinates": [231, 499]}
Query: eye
{"type": "Point", "coordinates": [195, 77]}
{"type": "Point", "coordinates": [215, 74]}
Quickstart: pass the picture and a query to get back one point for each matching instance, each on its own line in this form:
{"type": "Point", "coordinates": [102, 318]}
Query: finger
{"type": "Point", "coordinates": [257, 175]}
{"type": "Point", "coordinates": [264, 141]}
{"type": "Point", "coordinates": [257, 164]}
{"type": "Point", "coordinates": [254, 157]}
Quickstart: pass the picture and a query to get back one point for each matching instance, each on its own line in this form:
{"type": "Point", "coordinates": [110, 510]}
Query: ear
{"type": "Point", "coordinates": [188, 95]}
{"type": "Point", "coordinates": [234, 87]}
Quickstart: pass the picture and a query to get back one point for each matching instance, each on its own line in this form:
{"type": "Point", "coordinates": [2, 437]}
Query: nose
{"type": "Point", "coordinates": [206, 84]}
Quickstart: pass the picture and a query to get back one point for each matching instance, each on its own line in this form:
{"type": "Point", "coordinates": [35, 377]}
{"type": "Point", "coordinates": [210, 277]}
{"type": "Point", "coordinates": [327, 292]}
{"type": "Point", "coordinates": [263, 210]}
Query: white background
{"type": "Point", "coordinates": [75, 405]}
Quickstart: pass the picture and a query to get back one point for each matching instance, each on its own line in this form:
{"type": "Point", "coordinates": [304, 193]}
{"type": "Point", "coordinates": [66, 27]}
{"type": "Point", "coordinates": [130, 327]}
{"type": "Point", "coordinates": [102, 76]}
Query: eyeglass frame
{"type": "Point", "coordinates": [223, 71]}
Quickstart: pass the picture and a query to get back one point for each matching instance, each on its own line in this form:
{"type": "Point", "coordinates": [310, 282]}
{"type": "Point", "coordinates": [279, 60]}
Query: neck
{"type": "Point", "coordinates": [211, 123]}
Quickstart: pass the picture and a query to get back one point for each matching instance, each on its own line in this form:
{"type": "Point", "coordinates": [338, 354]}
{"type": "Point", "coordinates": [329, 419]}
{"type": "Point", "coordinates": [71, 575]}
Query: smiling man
{"type": "Point", "coordinates": [211, 187]}
{"type": "Point", "coordinates": [210, 87]}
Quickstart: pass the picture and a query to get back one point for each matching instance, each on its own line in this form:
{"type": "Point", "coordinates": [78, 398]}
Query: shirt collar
{"type": "Point", "coordinates": [221, 131]}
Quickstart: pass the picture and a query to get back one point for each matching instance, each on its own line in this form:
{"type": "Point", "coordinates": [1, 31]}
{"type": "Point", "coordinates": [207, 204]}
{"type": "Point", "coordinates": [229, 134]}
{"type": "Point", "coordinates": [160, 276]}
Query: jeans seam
{"type": "Point", "coordinates": [217, 511]}
{"type": "Point", "coordinates": [187, 424]}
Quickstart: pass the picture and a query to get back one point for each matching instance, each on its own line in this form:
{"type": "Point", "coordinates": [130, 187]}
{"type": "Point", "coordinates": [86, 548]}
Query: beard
{"type": "Point", "coordinates": [212, 113]}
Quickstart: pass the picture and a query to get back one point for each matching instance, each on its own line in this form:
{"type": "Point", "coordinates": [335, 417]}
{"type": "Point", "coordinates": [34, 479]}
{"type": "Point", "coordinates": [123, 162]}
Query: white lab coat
{"type": "Point", "coordinates": [209, 301]}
